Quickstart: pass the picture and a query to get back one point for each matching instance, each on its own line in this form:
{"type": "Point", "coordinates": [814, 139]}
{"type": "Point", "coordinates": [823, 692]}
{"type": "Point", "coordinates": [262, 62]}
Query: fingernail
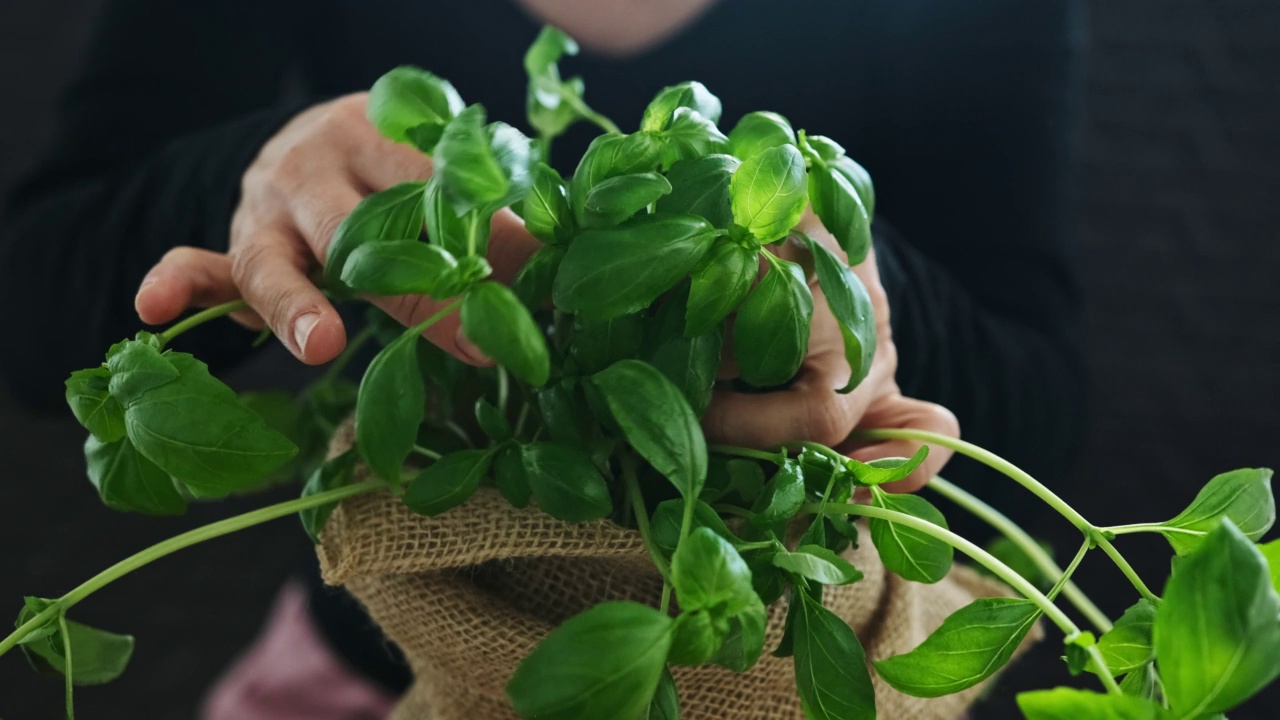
{"type": "Point", "coordinates": [468, 348]}
{"type": "Point", "coordinates": [302, 328]}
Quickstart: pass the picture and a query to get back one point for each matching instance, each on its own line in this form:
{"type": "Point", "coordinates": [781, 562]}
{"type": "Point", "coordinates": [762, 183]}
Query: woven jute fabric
{"type": "Point", "coordinates": [467, 595]}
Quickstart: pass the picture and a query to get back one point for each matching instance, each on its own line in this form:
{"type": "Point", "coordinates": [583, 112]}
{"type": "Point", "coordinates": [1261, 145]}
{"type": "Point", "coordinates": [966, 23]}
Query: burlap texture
{"type": "Point", "coordinates": [468, 595]}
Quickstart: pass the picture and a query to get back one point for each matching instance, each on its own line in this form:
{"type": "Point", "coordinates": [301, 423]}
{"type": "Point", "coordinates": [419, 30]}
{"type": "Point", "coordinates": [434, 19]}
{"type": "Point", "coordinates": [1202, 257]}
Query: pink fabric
{"type": "Point", "coordinates": [290, 674]}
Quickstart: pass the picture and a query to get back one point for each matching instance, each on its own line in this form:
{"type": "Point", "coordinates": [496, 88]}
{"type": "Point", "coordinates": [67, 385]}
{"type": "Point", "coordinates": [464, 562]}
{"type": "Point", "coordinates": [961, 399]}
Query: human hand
{"type": "Point", "coordinates": [810, 409]}
{"type": "Point", "coordinates": [303, 183]}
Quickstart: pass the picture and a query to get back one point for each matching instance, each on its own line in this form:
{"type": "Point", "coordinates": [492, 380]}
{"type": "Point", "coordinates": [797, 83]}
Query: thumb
{"type": "Point", "coordinates": [898, 412]}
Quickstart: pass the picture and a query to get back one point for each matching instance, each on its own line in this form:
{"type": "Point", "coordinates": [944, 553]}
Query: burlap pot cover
{"type": "Point", "coordinates": [467, 595]}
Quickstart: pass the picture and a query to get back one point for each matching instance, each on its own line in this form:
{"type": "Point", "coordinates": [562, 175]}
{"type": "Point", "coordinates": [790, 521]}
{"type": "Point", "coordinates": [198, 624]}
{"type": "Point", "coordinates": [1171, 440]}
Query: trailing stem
{"type": "Point", "coordinates": [991, 460]}
{"type": "Point", "coordinates": [201, 318]}
{"type": "Point", "coordinates": [642, 524]}
{"type": "Point", "coordinates": [176, 543]}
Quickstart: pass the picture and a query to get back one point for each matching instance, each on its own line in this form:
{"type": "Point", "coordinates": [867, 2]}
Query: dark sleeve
{"type": "Point", "coordinates": [173, 102]}
{"type": "Point", "coordinates": [980, 179]}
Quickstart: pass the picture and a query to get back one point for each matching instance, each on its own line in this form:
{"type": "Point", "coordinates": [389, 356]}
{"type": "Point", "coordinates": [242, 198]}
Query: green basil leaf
{"type": "Point", "coordinates": [547, 49]}
{"type": "Point", "coordinates": [859, 178]}
{"type": "Point", "coordinates": [693, 95]}
{"type": "Point", "coordinates": [831, 667]}
{"type": "Point", "coordinates": [1216, 634]}
{"type": "Point", "coordinates": [598, 344]}
{"type": "Point", "coordinates": [970, 646]}
{"type": "Point", "coordinates": [136, 368]}
{"type": "Point", "coordinates": [333, 474]}
{"type": "Point", "coordinates": [126, 480]}
{"type": "Point", "coordinates": [721, 281]}
{"type": "Point", "coordinates": [609, 156]}
{"type": "Point", "coordinates": [491, 420]}
{"type": "Point", "coordinates": [549, 113]}
{"type": "Point", "coordinates": [744, 643]}
{"type": "Point", "coordinates": [603, 663]}
{"type": "Point", "coordinates": [448, 482]}
{"type": "Point", "coordinates": [510, 477]}
{"type": "Point", "coordinates": [1144, 683]}
{"type": "Point", "coordinates": [689, 362]}
{"type": "Point", "coordinates": [515, 155]}
{"type": "Point", "coordinates": [838, 206]}
{"type": "Point", "coordinates": [390, 407]}
{"type": "Point", "coordinates": [97, 656]}
{"type": "Point", "coordinates": [818, 564]}
{"type": "Point", "coordinates": [566, 483]}
{"type": "Point", "coordinates": [709, 574]}
{"type": "Point", "coordinates": [771, 332]}
{"type": "Point", "coordinates": [657, 421]}
{"type": "Point", "coordinates": [669, 515]}
{"type": "Point", "coordinates": [701, 187]}
{"type": "Point", "coordinates": [546, 211]}
{"type": "Point", "coordinates": [907, 551]}
{"type": "Point", "coordinates": [1127, 646]}
{"type": "Point", "coordinates": [393, 214]}
{"type": "Point", "coordinates": [1074, 704]}
{"type": "Point", "coordinates": [467, 165]}
{"type": "Point", "coordinates": [885, 470]}
{"type": "Point", "coordinates": [611, 201]}
{"type": "Point", "coordinates": [1077, 652]}
{"type": "Point", "coordinates": [759, 131]}
{"type": "Point", "coordinates": [408, 98]}
{"type": "Point", "coordinates": [533, 283]}
{"type": "Point", "coordinates": [89, 396]}
{"type": "Point", "coordinates": [691, 135]}
{"type": "Point", "coordinates": [734, 480]}
{"type": "Point", "coordinates": [325, 405]}
{"type": "Point", "coordinates": [460, 236]}
{"type": "Point", "coordinates": [1242, 496]}
{"type": "Point", "coordinates": [1271, 551]}
{"type": "Point", "coordinates": [698, 635]}
{"type": "Point", "coordinates": [769, 193]}
{"type": "Point", "coordinates": [222, 448]}
{"type": "Point", "coordinates": [562, 411]}
{"type": "Point", "coordinates": [615, 271]}
{"type": "Point", "coordinates": [500, 325]}
{"type": "Point", "coordinates": [825, 148]}
{"type": "Point", "coordinates": [665, 704]}
{"type": "Point", "coordinates": [781, 497]}
{"type": "Point", "coordinates": [850, 302]}
{"type": "Point", "coordinates": [400, 267]}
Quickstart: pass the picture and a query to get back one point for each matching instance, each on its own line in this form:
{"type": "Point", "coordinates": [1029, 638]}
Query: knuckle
{"type": "Point", "coordinates": [825, 420]}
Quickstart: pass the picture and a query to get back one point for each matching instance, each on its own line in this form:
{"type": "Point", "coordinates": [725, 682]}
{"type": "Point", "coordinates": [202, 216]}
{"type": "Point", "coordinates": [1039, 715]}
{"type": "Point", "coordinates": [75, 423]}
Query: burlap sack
{"type": "Point", "coordinates": [468, 595]}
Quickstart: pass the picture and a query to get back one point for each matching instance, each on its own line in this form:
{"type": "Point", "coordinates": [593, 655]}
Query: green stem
{"type": "Point", "coordinates": [776, 458]}
{"type": "Point", "coordinates": [1127, 569]}
{"type": "Point", "coordinates": [988, 458]}
{"type": "Point", "coordinates": [200, 318]}
{"type": "Point", "coordinates": [178, 542]}
{"type": "Point", "coordinates": [426, 452]}
{"type": "Point", "coordinates": [504, 389]}
{"type": "Point", "coordinates": [544, 148]}
{"type": "Point", "coordinates": [585, 111]}
{"type": "Point", "coordinates": [642, 514]}
{"type": "Point", "coordinates": [1149, 528]}
{"type": "Point", "coordinates": [353, 346]}
{"type": "Point", "coordinates": [1025, 542]}
{"type": "Point", "coordinates": [1023, 478]}
{"type": "Point", "coordinates": [1065, 577]}
{"type": "Point", "coordinates": [1012, 578]}
{"type": "Point", "coordinates": [67, 670]}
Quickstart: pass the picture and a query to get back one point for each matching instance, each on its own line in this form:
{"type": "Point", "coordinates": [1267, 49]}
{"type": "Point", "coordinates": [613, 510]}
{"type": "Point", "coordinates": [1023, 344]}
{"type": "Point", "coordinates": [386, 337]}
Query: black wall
{"type": "Point", "coordinates": [1181, 246]}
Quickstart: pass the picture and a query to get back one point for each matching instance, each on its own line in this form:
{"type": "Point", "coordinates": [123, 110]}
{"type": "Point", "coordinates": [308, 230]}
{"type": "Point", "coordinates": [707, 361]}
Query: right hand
{"type": "Point", "coordinates": [304, 182]}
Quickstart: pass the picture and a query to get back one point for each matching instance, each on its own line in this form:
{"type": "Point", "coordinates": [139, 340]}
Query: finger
{"type": "Point", "coordinates": [902, 412]}
{"type": "Point", "coordinates": [320, 210]}
{"type": "Point", "coordinates": [510, 245]}
{"type": "Point", "coordinates": [271, 272]}
{"type": "Point", "coordinates": [188, 277]}
{"type": "Point", "coordinates": [379, 163]}
{"type": "Point", "coordinates": [809, 409]}
{"type": "Point", "coordinates": [446, 333]}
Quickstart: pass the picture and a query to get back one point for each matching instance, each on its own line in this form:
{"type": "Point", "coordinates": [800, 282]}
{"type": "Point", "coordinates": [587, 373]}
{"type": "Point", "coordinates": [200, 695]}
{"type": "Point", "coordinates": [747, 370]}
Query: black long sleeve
{"type": "Point", "coordinates": [154, 136]}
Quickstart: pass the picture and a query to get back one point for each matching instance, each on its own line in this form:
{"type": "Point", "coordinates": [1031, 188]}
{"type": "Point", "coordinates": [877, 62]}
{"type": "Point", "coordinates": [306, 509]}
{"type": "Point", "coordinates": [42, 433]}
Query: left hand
{"type": "Point", "coordinates": [810, 409]}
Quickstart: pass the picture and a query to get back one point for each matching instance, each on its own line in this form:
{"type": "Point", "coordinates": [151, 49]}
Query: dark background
{"type": "Point", "coordinates": [1181, 245]}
